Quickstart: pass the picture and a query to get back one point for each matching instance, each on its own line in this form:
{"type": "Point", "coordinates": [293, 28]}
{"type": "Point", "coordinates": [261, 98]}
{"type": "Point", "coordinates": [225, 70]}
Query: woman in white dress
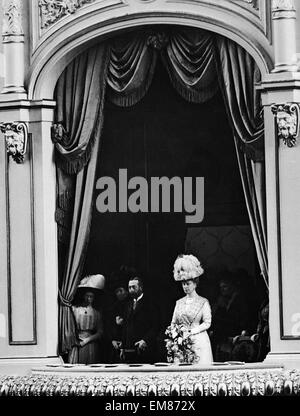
{"type": "Point", "coordinates": [193, 311]}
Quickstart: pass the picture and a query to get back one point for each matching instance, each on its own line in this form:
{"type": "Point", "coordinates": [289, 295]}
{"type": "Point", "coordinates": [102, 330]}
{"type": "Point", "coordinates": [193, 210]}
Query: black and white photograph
{"type": "Point", "coordinates": [149, 201]}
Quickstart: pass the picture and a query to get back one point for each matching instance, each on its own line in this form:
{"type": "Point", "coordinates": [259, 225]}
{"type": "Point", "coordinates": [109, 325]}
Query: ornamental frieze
{"type": "Point", "coordinates": [53, 10]}
{"type": "Point", "coordinates": [177, 383]}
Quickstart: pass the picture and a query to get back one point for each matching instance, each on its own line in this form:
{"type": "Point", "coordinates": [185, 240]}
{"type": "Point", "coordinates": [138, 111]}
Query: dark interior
{"type": "Point", "coordinates": [164, 135]}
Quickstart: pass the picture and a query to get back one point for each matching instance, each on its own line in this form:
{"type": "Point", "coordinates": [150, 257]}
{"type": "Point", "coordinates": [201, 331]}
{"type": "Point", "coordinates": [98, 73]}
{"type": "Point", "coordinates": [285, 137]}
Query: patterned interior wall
{"type": "Point", "coordinates": [223, 247]}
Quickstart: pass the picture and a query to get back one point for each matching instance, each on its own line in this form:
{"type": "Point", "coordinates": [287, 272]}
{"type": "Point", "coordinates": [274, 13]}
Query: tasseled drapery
{"type": "Point", "coordinates": [131, 69]}
{"type": "Point", "coordinates": [80, 94]}
{"type": "Point", "coordinates": [190, 62]}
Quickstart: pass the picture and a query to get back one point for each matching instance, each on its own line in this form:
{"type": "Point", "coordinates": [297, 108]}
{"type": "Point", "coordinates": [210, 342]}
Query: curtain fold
{"type": "Point", "coordinates": [80, 95]}
{"type": "Point", "coordinates": [131, 69]}
{"type": "Point", "coordinates": [79, 237]}
{"type": "Point", "coordinates": [190, 62]}
{"type": "Point", "coordinates": [238, 74]}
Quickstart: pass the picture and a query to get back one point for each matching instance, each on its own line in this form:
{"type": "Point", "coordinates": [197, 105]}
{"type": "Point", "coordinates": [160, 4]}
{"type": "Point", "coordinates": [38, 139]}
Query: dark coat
{"type": "Point", "coordinates": [140, 324]}
{"type": "Point", "coordinates": [114, 331]}
{"type": "Point", "coordinates": [229, 317]}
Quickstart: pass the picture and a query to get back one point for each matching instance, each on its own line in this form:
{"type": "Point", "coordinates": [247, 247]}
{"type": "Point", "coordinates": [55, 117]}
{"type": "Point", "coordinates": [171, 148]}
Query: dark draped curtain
{"type": "Point", "coordinates": [131, 69]}
{"type": "Point", "coordinates": [121, 70]}
{"type": "Point", "coordinates": [190, 62]}
{"type": "Point", "coordinates": [80, 96]}
{"type": "Point", "coordinates": [238, 76]}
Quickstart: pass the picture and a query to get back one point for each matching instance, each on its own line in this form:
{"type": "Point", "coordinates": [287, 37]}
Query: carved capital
{"type": "Point", "coordinates": [16, 137]}
{"type": "Point", "coordinates": [12, 18]}
{"type": "Point", "coordinates": [287, 120]}
{"type": "Point", "coordinates": [53, 10]}
{"type": "Point", "coordinates": [283, 9]}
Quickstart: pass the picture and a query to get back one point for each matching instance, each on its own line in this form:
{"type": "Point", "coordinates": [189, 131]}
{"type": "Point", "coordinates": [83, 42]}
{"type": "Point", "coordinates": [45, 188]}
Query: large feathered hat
{"type": "Point", "coordinates": [94, 281]}
{"type": "Point", "coordinates": [187, 267]}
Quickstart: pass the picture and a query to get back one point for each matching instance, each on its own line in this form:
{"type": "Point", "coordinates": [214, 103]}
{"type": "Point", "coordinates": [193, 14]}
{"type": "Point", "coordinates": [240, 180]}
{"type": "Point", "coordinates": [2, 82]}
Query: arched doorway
{"type": "Point", "coordinates": [62, 43]}
{"type": "Point", "coordinates": [145, 228]}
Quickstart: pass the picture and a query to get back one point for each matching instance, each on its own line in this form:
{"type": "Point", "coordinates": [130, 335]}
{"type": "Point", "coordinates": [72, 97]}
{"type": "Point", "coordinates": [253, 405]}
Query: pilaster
{"type": "Point", "coordinates": [29, 281]}
{"type": "Point", "coordinates": [281, 99]}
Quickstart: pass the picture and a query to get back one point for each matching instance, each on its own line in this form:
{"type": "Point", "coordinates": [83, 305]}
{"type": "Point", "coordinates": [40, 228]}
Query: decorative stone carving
{"type": "Point", "coordinates": [12, 18]}
{"type": "Point", "coordinates": [248, 383]}
{"type": "Point", "coordinates": [16, 137]}
{"type": "Point", "coordinates": [253, 3]}
{"type": "Point", "coordinates": [283, 9]}
{"type": "Point", "coordinates": [287, 118]}
{"type": "Point", "coordinates": [52, 10]}
{"type": "Point", "coordinates": [158, 40]}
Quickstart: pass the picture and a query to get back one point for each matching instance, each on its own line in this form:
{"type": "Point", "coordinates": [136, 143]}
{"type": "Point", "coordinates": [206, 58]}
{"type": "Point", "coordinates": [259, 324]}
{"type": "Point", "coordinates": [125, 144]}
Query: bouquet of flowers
{"type": "Point", "coordinates": [179, 344]}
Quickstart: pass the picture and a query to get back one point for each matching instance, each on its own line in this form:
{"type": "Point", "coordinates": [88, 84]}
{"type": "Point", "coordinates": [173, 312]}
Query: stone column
{"type": "Point", "coordinates": [282, 145]}
{"type": "Point", "coordinates": [284, 35]}
{"type": "Point", "coordinates": [13, 46]}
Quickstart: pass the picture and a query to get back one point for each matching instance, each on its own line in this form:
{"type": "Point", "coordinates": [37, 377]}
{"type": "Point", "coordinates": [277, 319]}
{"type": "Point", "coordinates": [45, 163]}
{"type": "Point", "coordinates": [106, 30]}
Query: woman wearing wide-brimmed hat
{"type": "Point", "coordinates": [193, 311]}
{"type": "Point", "coordinates": [88, 321]}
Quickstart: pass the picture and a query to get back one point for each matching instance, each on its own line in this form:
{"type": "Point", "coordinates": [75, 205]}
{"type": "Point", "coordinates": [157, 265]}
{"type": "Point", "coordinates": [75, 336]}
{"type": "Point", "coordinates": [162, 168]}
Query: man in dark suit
{"type": "Point", "coordinates": [139, 328]}
{"type": "Point", "coordinates": [115, 319]}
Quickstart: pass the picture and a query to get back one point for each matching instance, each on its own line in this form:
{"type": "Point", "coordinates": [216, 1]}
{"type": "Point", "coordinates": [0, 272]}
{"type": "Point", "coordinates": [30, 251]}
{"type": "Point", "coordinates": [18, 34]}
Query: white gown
{"type": "Point", "coordinates": [195, 313]}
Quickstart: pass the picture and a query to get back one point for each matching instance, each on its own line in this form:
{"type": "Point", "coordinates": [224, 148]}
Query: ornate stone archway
{"type": "Point", "coordinates": [60, 36]}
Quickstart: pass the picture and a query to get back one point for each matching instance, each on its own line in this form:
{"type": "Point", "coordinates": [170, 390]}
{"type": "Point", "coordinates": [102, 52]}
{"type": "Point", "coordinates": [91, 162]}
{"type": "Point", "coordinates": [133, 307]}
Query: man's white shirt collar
{"type": "Point", "coordinates": [139, 298]}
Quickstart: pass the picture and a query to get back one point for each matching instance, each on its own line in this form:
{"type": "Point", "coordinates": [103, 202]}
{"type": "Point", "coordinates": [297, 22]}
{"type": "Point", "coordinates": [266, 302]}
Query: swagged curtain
{"type": "Point", "coordinates": [121, 71]}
